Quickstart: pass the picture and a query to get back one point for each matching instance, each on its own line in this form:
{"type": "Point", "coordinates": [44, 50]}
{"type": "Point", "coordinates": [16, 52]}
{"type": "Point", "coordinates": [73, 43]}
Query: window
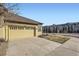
{"type": "Point", "coordinates": [15, 27]}
{"type": "Point", "coordinates": [27, 27]}
{"type": "Point", "coordinates": [12, 27]}
{"type": "Point", "coordinates": [20, 27]}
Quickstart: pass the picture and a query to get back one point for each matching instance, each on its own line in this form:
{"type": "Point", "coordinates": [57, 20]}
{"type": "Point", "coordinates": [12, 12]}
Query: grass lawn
{"type": "Point", "coordinates": [56, 38]}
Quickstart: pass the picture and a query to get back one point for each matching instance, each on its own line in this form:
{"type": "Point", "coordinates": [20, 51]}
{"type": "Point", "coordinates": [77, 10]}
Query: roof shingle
{"type": "Point", "coordinates": [17, 18]}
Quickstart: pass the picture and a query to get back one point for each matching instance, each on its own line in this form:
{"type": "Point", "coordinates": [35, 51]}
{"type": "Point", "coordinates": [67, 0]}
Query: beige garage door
{"type": "Point", "coordinates": [20, 33]}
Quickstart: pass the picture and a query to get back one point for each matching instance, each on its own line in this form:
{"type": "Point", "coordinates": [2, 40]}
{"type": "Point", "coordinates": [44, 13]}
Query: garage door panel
{"type": "Point", "coordinates": [17, 34]}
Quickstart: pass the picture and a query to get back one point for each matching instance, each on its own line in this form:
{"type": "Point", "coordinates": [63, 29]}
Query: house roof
{"type": "Point", "coordinates": [16, 18]}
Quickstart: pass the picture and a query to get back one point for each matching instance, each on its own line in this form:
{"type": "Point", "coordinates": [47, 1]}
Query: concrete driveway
{"type": "Point", "coordinates": [43, 47]}
{"type": "Point", "coordinates": [31, 46]}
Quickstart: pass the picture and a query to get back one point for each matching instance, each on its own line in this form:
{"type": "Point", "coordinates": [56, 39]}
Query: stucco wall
{"type": "Point", "coordinates": [38, 32]}
{"type": "Point", "coordinates": [3, 32]}
{"type": "Point", "coordinates": [16, 34]}
{"type": "Point", "coordinates": [7, 33]}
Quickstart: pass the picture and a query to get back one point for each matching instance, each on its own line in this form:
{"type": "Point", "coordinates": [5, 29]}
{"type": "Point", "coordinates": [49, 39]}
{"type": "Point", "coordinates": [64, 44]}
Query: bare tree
{"type": "Point", "coordinates": [6, 8]}
{"type": "Point", "coordinates": [10, 7]}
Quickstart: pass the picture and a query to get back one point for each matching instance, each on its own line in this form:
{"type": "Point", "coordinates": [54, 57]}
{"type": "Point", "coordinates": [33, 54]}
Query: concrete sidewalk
{"type": "Point", "coordinates": [69, 48]}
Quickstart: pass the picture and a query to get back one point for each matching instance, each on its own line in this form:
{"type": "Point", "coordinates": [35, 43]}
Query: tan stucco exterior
{"type": "Point", "coordinates": [11, 34]}
{"type": "Point", "coordinates": [13, 26]}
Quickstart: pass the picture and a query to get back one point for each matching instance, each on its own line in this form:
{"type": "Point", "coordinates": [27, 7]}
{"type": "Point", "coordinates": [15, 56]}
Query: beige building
{"type": "Point", "coordinates": [16, 27]}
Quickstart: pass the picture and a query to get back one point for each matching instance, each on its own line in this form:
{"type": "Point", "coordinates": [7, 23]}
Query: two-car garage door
{"type": "Point", "coordinates": [15, 33]}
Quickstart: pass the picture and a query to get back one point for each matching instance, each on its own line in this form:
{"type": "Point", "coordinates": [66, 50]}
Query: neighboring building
{"type": "Point", "coordinates": [16, 27]}
{"type": "Point", "coordinates": [62, 28]}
